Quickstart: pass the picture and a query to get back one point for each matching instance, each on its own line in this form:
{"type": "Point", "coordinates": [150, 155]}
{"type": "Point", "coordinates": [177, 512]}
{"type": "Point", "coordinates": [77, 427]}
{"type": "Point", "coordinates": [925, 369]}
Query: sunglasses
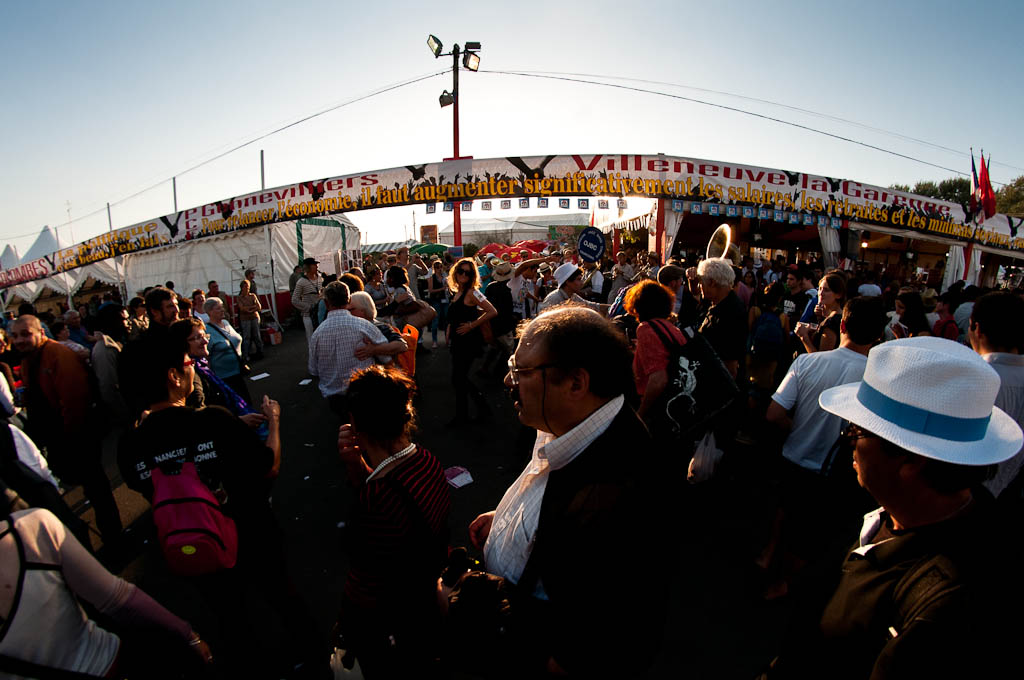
{"type": "Point", "coordinates": [464, 272]}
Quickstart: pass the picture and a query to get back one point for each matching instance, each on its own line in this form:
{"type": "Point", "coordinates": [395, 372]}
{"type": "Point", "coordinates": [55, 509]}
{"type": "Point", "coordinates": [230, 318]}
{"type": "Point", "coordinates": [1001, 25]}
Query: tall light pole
{"type": "Point", "coordinates": [471, 60]}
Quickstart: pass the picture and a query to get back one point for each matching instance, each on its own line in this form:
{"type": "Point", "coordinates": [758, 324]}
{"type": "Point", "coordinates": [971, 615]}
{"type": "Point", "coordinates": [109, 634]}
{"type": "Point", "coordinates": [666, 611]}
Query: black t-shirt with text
{"type": "Point", "coordinates": [227, 454]}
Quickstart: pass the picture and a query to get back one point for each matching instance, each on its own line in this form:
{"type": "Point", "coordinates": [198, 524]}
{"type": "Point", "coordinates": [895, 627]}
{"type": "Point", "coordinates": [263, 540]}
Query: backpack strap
{"type": "Point", "coordinates": [670, 343]}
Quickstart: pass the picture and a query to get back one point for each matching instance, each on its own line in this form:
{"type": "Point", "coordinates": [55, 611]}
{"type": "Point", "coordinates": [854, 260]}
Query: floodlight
{"type": "Point", "coordinates": [446, 99]}
{"type": "Point", "coordinates": [435, 45]}
{"type": "Point", "coordinates": [471, 61]}
{"type": "Point", "coordinates": [472, 46]}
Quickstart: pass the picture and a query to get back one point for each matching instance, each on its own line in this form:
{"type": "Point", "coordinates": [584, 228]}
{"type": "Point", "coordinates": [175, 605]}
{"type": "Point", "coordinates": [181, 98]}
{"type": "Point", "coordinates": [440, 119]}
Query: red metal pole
{"type": "Point", "coordinates": [457, 224]}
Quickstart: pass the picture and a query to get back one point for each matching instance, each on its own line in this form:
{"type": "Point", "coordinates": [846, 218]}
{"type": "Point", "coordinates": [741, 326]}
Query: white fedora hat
{"type": "Point", "coordinates": [564, 271]}
{"type": "Point", "coordinates": [933, 397]}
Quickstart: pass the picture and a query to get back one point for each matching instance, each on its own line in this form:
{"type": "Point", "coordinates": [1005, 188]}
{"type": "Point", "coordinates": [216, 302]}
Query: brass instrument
{"type": "Point", "coordinates": [721, 245]}
{"type": "Point", "coordinates": [641, 273]}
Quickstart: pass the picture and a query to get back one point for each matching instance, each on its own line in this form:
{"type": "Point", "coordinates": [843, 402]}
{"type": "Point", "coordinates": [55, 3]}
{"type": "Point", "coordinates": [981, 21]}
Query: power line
{"type": "Point", "coordinates": [819, 114]}
{"type": "Point", "coordinates": [335, 107]}
{"type": "Point", "coordinates": [729, 108]}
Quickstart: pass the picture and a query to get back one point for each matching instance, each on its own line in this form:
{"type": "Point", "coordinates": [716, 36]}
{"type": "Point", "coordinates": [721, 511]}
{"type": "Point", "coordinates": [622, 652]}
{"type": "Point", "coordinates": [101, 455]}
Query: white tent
{"type": "Point", "coordinates": [45, 244]}
{"type": "Point", "coordinates": [9, 260]}
{"type": "Point", "coordinates": [271, 252]}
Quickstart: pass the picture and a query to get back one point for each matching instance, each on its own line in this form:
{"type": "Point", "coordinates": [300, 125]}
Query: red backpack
{"type": "Point", "coordinates": [196, 536]}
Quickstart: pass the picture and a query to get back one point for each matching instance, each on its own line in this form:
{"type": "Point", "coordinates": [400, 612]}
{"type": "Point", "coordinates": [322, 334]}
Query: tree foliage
{"type": "Point", "coordinates": [1010, 199]}
{"type": "Point", "coordinates": [955, 189]}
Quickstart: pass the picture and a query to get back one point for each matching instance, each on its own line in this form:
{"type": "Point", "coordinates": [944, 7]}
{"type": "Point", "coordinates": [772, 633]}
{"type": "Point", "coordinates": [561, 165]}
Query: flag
{"type": "Point", "coordinates": [988, 195]}
{"type": "Point", "coordinates": [975, 190]}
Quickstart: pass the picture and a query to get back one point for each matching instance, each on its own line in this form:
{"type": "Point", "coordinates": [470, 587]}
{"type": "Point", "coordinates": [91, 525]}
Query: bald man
{"type": "Point", "coordinates": [61, 417]}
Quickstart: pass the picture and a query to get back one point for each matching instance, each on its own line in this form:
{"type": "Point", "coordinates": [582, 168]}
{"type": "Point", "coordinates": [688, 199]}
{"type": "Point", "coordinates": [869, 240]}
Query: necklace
{"type": "Point", "coordinates": [391, 459]}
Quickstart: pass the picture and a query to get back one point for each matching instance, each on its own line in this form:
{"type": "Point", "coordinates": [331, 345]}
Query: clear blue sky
{"type": "Point", "coordinates": [103, 99]}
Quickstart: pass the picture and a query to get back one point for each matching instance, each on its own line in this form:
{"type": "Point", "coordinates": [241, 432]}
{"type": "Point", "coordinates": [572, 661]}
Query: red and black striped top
{"type": "Point", "coordinates": [400, 529]}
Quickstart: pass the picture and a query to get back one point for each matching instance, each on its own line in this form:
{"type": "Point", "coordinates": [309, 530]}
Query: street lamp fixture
{"type": "Point", "coordinates": [435, 45]}
{"type": "Point", "coordinates": [471, 62]}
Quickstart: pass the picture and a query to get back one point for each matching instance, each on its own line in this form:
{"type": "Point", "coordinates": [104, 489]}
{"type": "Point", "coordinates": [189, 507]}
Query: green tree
{"type": "Point", "coordinates": [469, 250]}
{"type": "Point", "coordinates": [1010, 199]}
{"type": "Point", "coordinates": [955, 189]}
{"type": "Point", "coordinates": [926, 188]}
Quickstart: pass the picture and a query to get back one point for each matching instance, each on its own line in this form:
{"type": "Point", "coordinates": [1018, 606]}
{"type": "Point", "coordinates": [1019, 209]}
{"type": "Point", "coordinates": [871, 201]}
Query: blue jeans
{"type": "Point", "coordinates": [441, 319]}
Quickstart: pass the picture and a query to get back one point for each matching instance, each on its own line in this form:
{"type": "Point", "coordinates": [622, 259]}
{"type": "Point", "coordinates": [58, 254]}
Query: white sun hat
{"type": "Point", "coordinates": [933, 397]}
{"type": "Point", "coordinates": [564, 271]}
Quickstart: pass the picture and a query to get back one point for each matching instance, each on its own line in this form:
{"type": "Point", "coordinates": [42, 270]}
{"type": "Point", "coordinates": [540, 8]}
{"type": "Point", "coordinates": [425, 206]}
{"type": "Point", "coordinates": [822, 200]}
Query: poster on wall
{"type": "Point", "coordinates": [428, 233]}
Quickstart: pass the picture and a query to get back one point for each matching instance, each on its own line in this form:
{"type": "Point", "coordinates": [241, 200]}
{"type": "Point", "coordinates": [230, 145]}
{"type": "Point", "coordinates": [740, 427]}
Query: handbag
{"type": "Point", "coordinates": [700, 388]}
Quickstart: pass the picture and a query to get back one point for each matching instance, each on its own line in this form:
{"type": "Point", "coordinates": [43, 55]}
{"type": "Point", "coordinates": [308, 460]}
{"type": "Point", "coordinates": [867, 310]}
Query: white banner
{"type": "Point", "coordinates": [738, 190]}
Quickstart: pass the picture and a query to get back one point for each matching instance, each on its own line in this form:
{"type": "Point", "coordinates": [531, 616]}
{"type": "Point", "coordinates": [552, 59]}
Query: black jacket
{"type": "Point", "coordinates": [602, 526]}
{"type": "Point", "coordinates": [933, 602]}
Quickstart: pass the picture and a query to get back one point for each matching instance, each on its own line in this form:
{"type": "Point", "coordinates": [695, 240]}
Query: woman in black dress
{"type": "Point", "coordinates": [468, 312]}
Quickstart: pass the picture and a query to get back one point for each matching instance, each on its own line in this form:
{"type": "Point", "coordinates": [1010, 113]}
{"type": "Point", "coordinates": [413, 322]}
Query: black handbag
{"type": "Point", "coordinates": [700, 387]}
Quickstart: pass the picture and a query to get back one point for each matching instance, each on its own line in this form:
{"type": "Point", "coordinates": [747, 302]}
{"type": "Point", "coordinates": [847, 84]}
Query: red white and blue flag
{"type": "Point", "coordinates": [988, 195]}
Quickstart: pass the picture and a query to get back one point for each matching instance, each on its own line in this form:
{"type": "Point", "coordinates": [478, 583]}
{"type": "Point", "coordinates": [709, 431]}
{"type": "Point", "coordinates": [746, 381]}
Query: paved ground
{"type": "Point", "coordinates": [717, 629]}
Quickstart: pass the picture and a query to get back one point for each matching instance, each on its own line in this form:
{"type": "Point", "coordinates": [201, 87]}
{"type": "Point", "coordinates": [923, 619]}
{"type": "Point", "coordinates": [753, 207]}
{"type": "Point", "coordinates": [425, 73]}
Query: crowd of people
{"type": "Point", "coordinates": [842, 391]}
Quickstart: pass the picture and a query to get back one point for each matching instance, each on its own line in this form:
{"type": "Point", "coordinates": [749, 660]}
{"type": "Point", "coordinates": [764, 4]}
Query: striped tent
{"type": "Point", "coordinates": [384, 247]}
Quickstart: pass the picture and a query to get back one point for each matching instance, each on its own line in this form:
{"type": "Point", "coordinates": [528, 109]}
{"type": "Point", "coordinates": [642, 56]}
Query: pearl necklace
{"type": "Point", "coordinates": [391, 459]}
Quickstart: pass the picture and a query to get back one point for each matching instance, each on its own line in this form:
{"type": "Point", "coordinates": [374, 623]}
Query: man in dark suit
{"type": "Point", "coordinates": [572, 531]}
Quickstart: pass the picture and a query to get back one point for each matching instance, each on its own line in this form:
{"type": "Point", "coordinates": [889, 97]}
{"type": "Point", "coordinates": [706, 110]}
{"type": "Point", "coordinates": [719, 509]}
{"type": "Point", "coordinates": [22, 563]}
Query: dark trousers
{"type": "Point", "coordinates": [462, 361]}
{"type": "Point", "coordinates": [80, 462]}
{"type": "Point", "coordinates": [339, 405]}
{"type": "Point", "coordinates": [263, 627]}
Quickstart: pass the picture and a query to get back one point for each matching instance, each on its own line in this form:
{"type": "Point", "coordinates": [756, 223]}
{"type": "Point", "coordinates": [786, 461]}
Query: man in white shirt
{"type": "Point", "coordinates": [622, 274]}
{"type": "Point", "coordinates": [812, 431]}
{"type": "Point", "coordinates": [566, 528]}
{"type": "Point", "coordinates": [811, 516]}
{"type": "Point", "coordinates": [569, 278]}
{"type": "Point", "coordinates": [333, 345]}
{"type": "Point", "coordinates": [306, 294]}
{"type": "Point", "coordinates": [869, 288]}
{"type": "Point", "coordinates": [995, 332]}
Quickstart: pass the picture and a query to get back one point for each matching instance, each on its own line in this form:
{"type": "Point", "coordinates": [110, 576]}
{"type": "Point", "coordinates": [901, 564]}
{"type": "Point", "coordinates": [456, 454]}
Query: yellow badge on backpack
{"type": "Point", "coordinates": [188, 549]}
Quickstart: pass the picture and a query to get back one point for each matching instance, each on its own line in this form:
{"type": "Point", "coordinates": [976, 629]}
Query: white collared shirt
{"type": "Point", "coordinates": [515, 523]}
{"type": "Point", "coordinates": [868, 530]}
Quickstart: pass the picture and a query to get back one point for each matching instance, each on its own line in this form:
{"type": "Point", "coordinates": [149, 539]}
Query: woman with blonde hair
{"type": "Point", "coordinates": [468, 311]}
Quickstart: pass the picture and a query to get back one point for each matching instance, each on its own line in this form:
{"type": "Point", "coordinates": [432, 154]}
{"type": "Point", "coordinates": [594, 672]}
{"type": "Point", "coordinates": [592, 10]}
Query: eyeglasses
{"type": "Point", "coordinates": [202, 337]}
{"type": "Point", "coordinates": [464, 272]}
{"type": "Point", "coordinates": [850, 434]}
{"type": "Point", "coordinates": [514, 370]}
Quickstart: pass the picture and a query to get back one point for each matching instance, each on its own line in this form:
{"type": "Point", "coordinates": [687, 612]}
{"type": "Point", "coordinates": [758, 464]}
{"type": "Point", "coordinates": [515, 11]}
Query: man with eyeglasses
{"type": "Point", "coordinates": [927, 587]}
{"type": "Point", "coordinates": [581, 512]}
